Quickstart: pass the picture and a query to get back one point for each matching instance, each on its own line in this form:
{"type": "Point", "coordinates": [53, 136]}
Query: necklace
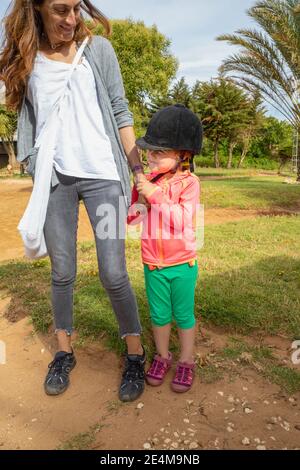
{"type": "Point", "coordinates": [52, 46]}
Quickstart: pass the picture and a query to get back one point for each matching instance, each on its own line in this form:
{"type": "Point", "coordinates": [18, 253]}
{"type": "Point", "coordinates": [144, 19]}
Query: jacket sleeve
{"type": "Point", "coordinates": [115, 88]}
{"type": "Point", "coordinates": [182, 212]}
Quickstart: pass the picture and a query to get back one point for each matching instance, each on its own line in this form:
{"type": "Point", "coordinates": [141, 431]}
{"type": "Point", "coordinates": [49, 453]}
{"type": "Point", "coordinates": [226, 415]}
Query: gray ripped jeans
{"type": "Point", "coordinates": [103, 200]}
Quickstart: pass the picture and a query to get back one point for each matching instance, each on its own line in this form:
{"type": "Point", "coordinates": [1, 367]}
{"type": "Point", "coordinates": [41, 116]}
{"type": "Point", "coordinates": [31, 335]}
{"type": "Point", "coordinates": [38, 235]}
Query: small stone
{"type": "Point", "coordinates": [155, 440]}
{"type": "Point", "coordinates": [193, 445]}
{"type": "Point", "coordinates": [274, 402]}
{"type": "Point", "coordinates": [273, 420]}
{"type": "Point", "coordinates": [257, 440]}
{"type": "Point", "coordinates": [168, 424]}
{"type": "Point", "coordinates": [229, 429]}
{"type": "Point", "coordinates": [30, 438]}
{"type": "Point", "coordinates": [226, 411]}
{"type": "Point", "coordinates": [42, 350]}
{"type": "Point", "coordinates": [186, 420]}
{"type": "Point", "coordinates": [261, 447]}
{"type": "Point", "coordinates": [176, 434]}
{"type": "Point", "coordinates": [34, 420]}
{"type": "Point", "coordinates": [190, 402]}
{"type": "Point", "coordinates": [248, 411]}
{"type": "Point", "coordinates": [266, 402]}
{"type": "Point", "coordinates": [230, 399]}
{"type": "Point", "coordinates": [245, 389]}
{"type": "Point", "coordinates": [183, 433]}
{"type": "Point", "coordinates": [162, 429]}
{"type": "Point", "coordinates": [174, 445]}
{"type": "Point", "coordinates": [167, 441]}
{"type": "Point", "coordinates": [292, 400]}
{"type": "Point", "coordinates": [186, 442]}
{"type": "Point", "coordinates": [285, 425]}
{"type": "Point", "coordinates": [246, 441]}
{"type": "Point", "coordinates": [221, 394]}
{"type": "Point", "coordinates": [147, 445]}
{"type": "Point", "coordinates": [140, 406]}
{"type": "Point", "coordinates": [191, 430]}
{"type": "Point", "coordinates": [273, 438]}
{"type": "Point", "coordinates": [269, 427]}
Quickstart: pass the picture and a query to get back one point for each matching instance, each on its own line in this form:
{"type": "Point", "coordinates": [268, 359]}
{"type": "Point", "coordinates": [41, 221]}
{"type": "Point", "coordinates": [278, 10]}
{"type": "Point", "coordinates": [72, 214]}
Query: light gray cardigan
{"type": "Point", "coordinates": [113, 104]}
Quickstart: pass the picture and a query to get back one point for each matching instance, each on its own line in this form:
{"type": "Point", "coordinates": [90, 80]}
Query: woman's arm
{"type": "Point", "coordinates": [128, 141]}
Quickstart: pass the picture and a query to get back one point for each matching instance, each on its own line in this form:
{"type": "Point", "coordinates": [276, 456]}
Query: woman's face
{"type": "Point", "coordinates": [60, 18]}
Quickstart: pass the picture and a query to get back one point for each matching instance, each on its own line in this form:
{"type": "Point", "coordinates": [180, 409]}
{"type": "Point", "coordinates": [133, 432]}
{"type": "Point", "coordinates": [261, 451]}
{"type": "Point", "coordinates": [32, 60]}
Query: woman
{"type": "Point", "coordinates": [41, 40]}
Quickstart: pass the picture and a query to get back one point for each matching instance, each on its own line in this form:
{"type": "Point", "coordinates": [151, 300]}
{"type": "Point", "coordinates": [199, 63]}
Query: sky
{"type": "Point", "coordinates": [191, 25]}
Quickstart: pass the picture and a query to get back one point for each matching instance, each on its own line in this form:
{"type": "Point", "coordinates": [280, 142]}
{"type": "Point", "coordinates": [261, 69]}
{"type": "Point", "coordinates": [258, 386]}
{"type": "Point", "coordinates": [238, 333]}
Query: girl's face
{"type": "Point", "coordinates": [162, 160]}
{"type": "Point", "coordinates": [60, 18]}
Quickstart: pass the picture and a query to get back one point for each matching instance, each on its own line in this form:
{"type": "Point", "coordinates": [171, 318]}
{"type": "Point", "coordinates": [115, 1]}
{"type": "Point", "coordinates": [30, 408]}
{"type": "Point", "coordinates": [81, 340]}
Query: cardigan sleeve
{"type": "Point", "coordinates": [114, 84]}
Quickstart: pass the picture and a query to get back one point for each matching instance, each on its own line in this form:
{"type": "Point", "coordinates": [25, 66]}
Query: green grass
{"type": "Point", "coordinates": [256, 193]}
{"type": "Point", "coordinates": [261, 359]}
{"type": "Point", "coordinates": [249, 280]}
{"type": "Point", "coordinates": [81, 441]}
{"type": "Point", "coordinates": [250, 275]}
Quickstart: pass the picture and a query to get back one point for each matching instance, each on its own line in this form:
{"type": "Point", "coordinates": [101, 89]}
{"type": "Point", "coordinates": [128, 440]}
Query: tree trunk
{"type": "Point", "coordinates": [298, 170]}
{"type": "Point", "coordinates": [243, 156]}
{"type": "Point", "coordinates": [216, 154]}
{"type": "Point", "coordinates": [9, 147]}
{"type": "Point", "coordinates": [230, 154]}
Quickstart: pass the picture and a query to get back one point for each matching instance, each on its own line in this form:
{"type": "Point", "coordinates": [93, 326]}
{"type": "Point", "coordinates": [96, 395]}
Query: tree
{"type": "Point", "coordinates": [146, 62]}
{"type": "Point", "coordinates": [224, 110]}
{"type": "Point", "coordinates": [8, 127]}
{"type": "Point", "coordinates": [255, 115]}
{"type": "Point", "coordinates": [180, 92]}
{"type": "Point", "coordinates": [270, 59]}
{"type": "Point", "coordinates": [273, 140]}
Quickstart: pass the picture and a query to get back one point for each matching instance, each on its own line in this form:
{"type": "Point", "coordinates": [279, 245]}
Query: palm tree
{"type": "Point", "coordinates": [269, 60]}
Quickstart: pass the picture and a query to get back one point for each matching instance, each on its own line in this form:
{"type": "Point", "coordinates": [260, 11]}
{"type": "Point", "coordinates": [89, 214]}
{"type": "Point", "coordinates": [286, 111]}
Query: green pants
{"type": "Point", "coordinates": [171, 292]}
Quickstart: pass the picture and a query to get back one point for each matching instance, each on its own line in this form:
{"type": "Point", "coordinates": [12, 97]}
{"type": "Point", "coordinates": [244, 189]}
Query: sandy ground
{"type": "Point", "coordinates": [210, 416]}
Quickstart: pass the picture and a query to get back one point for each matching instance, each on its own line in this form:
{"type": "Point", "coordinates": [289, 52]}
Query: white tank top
{"type": "Point", "coordinates": [83, 148]}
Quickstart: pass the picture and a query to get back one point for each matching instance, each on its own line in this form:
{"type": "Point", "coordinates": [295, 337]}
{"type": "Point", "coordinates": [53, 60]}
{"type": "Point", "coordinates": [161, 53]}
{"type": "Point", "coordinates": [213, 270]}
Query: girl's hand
{"type": "Point", "coordinates": [142, 200]}
{"type": "Point", "coordinates": [145, 188]}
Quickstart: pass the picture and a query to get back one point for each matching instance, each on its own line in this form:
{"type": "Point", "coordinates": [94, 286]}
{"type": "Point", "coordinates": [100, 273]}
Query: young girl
{"type": "Point", "coordinates": [171, 196]}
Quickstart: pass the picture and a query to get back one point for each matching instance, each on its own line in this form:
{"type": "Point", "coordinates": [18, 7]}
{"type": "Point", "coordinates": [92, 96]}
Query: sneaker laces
{"type": "Point", "coordinates": [133, 370]}
{"type": "Point", "coordinates": [183, 374]}
{"type": "Point", "coordinates": [56, 365]}
{"type": "Point", "coordinates": [157, 367]}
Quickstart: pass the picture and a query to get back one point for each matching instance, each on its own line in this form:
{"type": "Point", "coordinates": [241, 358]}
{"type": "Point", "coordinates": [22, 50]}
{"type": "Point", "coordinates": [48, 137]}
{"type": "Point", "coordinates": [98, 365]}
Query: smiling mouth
{"type": "Point", "coordinates": [67, 30]}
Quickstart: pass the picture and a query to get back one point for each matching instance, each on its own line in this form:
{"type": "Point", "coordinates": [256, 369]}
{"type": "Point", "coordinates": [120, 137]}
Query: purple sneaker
{"type": "Point", "coordinates": [183, 378]}
{"type": "Point", "coordinates": [158, 370]}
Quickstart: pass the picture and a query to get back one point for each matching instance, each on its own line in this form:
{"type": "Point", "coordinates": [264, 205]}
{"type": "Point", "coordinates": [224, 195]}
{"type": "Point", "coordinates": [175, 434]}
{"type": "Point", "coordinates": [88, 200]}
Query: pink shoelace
{"type": "Point", "coordinates": [183, 375]}
{"type": "Point", "coordinates": [157, 369]}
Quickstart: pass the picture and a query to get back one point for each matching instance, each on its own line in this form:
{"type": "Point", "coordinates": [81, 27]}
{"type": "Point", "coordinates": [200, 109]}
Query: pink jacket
{"type": "Point", "coordinates": [169, 224]}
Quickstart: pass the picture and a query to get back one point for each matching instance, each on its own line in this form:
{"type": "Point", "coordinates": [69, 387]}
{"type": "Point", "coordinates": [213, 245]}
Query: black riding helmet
{"type": "Point", "coordinates": [173, 128]}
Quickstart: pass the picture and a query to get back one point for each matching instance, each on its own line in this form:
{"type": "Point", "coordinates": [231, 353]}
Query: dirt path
{"type": "Point", "coordinates": [89, 414]}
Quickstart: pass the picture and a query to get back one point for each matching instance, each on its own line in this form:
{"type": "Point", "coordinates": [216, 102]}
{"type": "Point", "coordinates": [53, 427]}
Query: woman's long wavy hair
{"type": "Point", "coordinates": [22, 30]}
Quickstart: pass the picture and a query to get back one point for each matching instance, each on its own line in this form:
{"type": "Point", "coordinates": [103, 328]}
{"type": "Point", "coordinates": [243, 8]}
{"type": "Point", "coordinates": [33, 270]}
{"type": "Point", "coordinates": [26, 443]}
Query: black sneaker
{"type": "Point", "coordinates": [57, 379]}
{"type": "Point", "coordinates": [133, 379]}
